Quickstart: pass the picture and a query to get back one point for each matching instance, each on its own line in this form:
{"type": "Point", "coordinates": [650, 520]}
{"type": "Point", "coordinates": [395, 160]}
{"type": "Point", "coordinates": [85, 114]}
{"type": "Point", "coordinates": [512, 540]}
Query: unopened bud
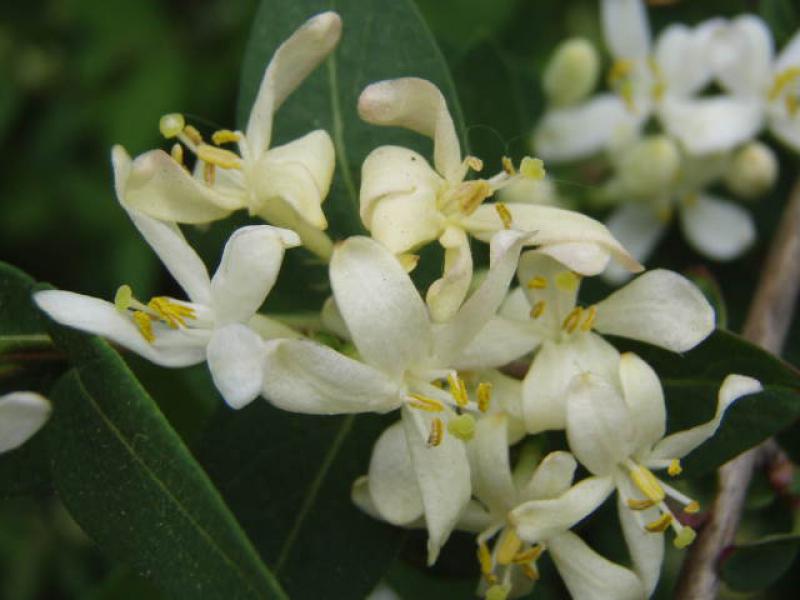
{"type": "Point", "coordinates": [752, 171]}
{"type": "Point", "coordinates": [572, 72]}
{"type": "Point", "coordinates": [650, 165]}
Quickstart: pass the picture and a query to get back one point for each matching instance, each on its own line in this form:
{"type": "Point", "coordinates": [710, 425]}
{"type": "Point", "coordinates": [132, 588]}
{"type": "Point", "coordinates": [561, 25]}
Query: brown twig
{"type": "Point", "coordinates": [767, 325]}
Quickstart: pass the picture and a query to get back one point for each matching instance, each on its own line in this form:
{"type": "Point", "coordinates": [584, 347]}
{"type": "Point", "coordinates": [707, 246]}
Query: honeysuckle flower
{"type": "Point", "coordinates": [713, 225]}
{"type": "Point", "coordinates": [284, 185]}
{"type": "Point", "coordinates": [22, 414]}
{"type": "Point", "coordinates": [658, 307]}
{"type": "Point", "coordinates": [404, 361]}
{"type": "Point", "coordinates": [218, 323]}
{"type": "Point", "coordinates": [406, 203]}
{"type": "Point", "coordinates": [743, 54]}
{"type": "Point", "coordinates": [617, 432]}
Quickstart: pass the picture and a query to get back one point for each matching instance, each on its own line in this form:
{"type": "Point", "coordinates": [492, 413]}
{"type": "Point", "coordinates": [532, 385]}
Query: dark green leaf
{"type": "Point", "coordinates": [754, 566]}
{"type": "Point", "coordinates": [133, 486]}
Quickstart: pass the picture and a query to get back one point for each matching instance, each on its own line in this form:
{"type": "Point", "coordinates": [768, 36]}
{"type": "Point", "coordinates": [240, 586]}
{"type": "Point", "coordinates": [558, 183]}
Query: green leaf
{"type": "Point", "coordinates": [691, 383]}
{"type": "Point", "coordinates": [754, 566]}
{"type": "Point", "coordinates": [782, 17]}
{"type": "Point", "coordinates": [287, 478]}
{"type": "Point", "coordinates": [132, 485]}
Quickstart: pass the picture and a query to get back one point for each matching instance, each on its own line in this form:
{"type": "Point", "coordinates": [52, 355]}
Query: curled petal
{"type": "Point", "coordinates": [22, 414]}
{"type": "Point", "coordinates": [446, 294]}
{"type": "Point", "coordinates": [552, 477]}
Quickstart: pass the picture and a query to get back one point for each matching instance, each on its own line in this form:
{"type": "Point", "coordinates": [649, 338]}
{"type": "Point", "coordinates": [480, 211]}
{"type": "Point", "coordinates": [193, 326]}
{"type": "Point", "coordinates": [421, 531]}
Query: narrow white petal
{"type": "Point", "coordinates": [717, 228]}
{"type": "Point", "coordinates": [418, 105]}
{"type": "Point", "coordinates": [247, 271]}
{"type": "Point", "coordinates": [383, 310]}
{"type": "Point", "coordinates": [332, 319]}
{"type": "Point", "coordinates": [682, 57]}
{"type": "Point", "coordinates": [499, 342]}
{"type": "Point", "coordinates": [307, 377]}
{"type": "Point", "coordinates": [682, 443]}
{"type": "Point", "coordinates": [590, 576]}
{"type": "Point", "coordinates": [474, 518]}
{"type": "Point", "coordinates": [599, 427]}
{"type": "Point", "coordinates": [22, 414]}
{"type": "Point", "coordinates": [659, 307]}
{"type": "Point", "coordinates": [742, 55]}
{"type": "Point", "coordinates": [785, 128]}
{"type": "Point", "coordinates": [552, 477]}
{"type": "Point", "coordinates": [236, 356]}
{"type": "Point", "coordinates": [646, 549]}
{"type": "Point", "coordinates": [642, 392]}
{"type": "Point", "coordinates": [444, 481]}
{"type": "Point", "coordinates": [392, 480]}
{"type": "Point", "coordinates": [491, 469]}
{"type": "Point", "coordinates": [172, 348]}
{"type": "Point", "coordinates": [446, 294]}
{"type": "Point", "coordinates": [637, 227]}
{"type": "Point", "coordinates": [269, 328]}
{"type": "Point", "coordinates": [626, 28]}
{"type": "Point", "coordinates": [292, 62]}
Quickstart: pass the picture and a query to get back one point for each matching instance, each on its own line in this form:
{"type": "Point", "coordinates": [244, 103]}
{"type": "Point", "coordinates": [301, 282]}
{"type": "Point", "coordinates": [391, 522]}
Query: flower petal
{"type": "Point", "coordinates": [306, 377]}
{"type": "Point", "coordinates": [717, 228]}
{"type": "Point", "coordinates": [784, 127]}
{"type": "Point", "coordinates": [236, 360]}
{"type": "Point", "coordinates": [250, 264]}
{"type": "Point", "coordinates": [490, 466]}
{"type": "Point", "coordinates": [646, 549]}
{"type": "Point", "coordinates": [292, 62]}
{"type": "Point", "coordinates": [556, 298]}
{"type": "Point", "coordinates": [659, 307]}
{"type": "Point", "coordinates": [418, 105]}
{"type": "Point", "coordinates": [682, 443]}
{"type": "Point", "coordinates": [590, 576]}
{"type": "Point", "coordinates": [383, 310]}
{"type": "Point", "coordinates": [638, 228]}
{"type": "Point", "coordinates": [626, 28]}
{"type": "Point", "coordinates": [498, 343]}
{"type": "Point", "coordinates": [446, 294]}
{"type": "Point", "coordinates": [552, 478]}
{"type": "Point", "coordinates": [642, 392]}
{"type": "Point", "coordinates": [681, 54]}
{"type": "Point", "coordinates": [171, 348]}
{"type": "Point", "coordinates": [742, 55]}
{"type": "Point", "coordinates": [789, 55]}
{"type": "Point", "coordinates": [22, 414]}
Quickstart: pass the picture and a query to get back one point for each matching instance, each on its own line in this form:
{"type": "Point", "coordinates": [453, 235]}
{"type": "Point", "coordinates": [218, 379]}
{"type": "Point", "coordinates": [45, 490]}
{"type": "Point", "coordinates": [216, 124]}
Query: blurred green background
{"type": "Point", "coordinates": [77, 76]}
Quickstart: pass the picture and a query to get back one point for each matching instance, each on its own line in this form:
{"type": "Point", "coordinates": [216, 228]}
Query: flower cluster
{"type": "Point", "coordinates": [436, 358]}
{"type": "Point", "coordinates": [681, 115]}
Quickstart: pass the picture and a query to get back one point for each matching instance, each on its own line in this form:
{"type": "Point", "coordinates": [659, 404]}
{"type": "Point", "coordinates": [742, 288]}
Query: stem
{"type": "Point", "coordinates": [767, 325]}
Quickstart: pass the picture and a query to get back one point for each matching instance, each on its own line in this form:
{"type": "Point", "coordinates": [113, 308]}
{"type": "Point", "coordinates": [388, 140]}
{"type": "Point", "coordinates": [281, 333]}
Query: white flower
{"type": "Point", "coordinates": [284, 185]}
{"type": "Point", "coordinates": [406, 362]}
{"type": "Point", "coordinates": [659, 307]}
{"type": "Point", "coordinates": [744, 58]}
{"type": "Point", "coordinates": [617, 432]}
{"type": "Point", "coordinates": [405, 203]}
{"type": "Point", "coordinates": [218, 324]}
{"type": "Point", "coordinates": [22, 414]}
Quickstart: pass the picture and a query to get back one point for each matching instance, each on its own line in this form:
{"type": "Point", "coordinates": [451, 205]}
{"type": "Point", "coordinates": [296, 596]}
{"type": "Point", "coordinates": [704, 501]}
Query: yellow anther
{"type": "Point", "coordinates": [538, 309]}
{"type": "Point", "coordinates": [219, 156]}
{"type": "Point", "coordinates": [194, 136]}
{"type": "Point", "coordinates": [462, 427]}
{"type": "Point", "coordinates": [529, 555]}
{"type": "Point", "coordinates": [408, 261]}
{"type": "Point", "coordinates": [504, 214]}
{"type": "Point", "coordinates": [674, 469]}
{"type": "Point", "coordinates": [484, 394]}
{"type": "Point", "coordinates": [469, 195]}
{"type": "Point", "coordinates": [123, 298]}
{"type": "Point", "coordinates": [588, 322]}
{"type": "Point", "coordinates": [572, 320]}
{"type": "Point", "coordinates": [171, 125]}
{"type": "Point", "coordinates": [209, 173]}
{"type": "Point", "coordinates": [620, 69]}
{"type": "Point", "coordinates": [531, 572]}
{"type": "Point", "coordinates": [508, 166]}
{"type": "Point", "coordinates": [792, 104]}
{"type": "Point", "coordinates": [474, 163]}
{"type": "Point", "coordinates": [637, 504]}
{"type": "Point", "coordinates": [176, 152]}
{"type": "Point", "coordinates": [532, 168]}
{"type": "Point", "coordinates": [171, 312]}
{"type": "Point", "coordinates": [225, 136]}
{"type": "Point", "coordinates": [684, 538]}
{"type": "Point", "coordinates": [692, 508]}
{"type": "Point", "coordinates": [647, 483]}
{"type": "Point", "coordinates": [507, 546]}
{"type": "Point", "coordinates": [144, 323]}
{"type": "Point", "coordinates": [458, 390]}
{"type": "Point", "coordinates": [567, 281]}
{"type": "Point", "coordinates": [485, 560]}
{"type": "Point", "coordinates": [660, 524]}
{"type": "Point", "coordinates": [658, 90]}
{"type": "Point", "coordinates": [425, 403]}
{"type": "Point", "coordinates": [782, 81]}
{"type": "Point", "coordinates": [497, 592]}
{"type": "Point", "coordinates": [537, 283]}
{"type": "Point", "coordinates": [437, 432]}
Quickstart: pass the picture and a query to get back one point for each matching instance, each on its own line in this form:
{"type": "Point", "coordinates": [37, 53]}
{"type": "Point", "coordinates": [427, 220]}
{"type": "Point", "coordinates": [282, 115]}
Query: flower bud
{"type": "Point", "coordinates": [572, 72]}
{"type": "Point", "coordinates": [752, 171]}
{"type": "Point", "coordinates": [649, 165]}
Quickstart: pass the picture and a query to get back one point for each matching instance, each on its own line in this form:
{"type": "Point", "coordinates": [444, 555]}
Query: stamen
{"type": "Point", "coordinates": [792, 104]}
{"type": "Point", "coordinates": [508, 166]}
{"type": "Point", "coordinates": [660, 524]}
{"type": "Point", "coordinates": [218, 156]}
{"type": "Point", "coordinates": [508, 546]}
{"type": "Point", "coordinates": [123, 298]}
{"type": "Point", "coordinates": [647, 483]}
{"type": "Point", "coordinates": [692, 508]}
{"type": "Point", "coordinates": [437, 432]}
{"type": "Point", "coordinates": [572, 319]}
{"type": "Point", "coordinates": [176, 152]}
{"type": "Point", "coordinates": [529, 555]}
{"type": "Point", "coordinates": [172, 313]}
{"type": "Point", "coordinates": [532, 168]}
{"type": "Point", "coordinates": [225, 136]}
{"type": "Point", "coordinates": [458, 390]}
{"type": "Point", "coordinates": [462, 427]}
{"type": "Point", "coordinates": [194, 136]}
{"type": "Point", "coordinates": [537, 283]}
{"type": "Point", "coordinates": [485, 561]}
{"type": "Point", "coordinates": [538, 309]}
{"type": "Point", "coordinates": [619, 80]}
{"type": "Point", "coordinates": [588, 322]}
{"type": "Point", "coordinates": [504, 214]}
{"type": "Point", "coordinates": [531, 572]}
{"type": "Point", "coordinates": [783, 80]}
{"type": "Point", "coordinates": [470, 195]}
{"type": "Point", "coordinates": [209, 173]}
{"type": "Point", "coordinates": [637, 504]}
{"type": "Point", "coordinates": [171, 125]}
{"type": "Point", "coordinates": [674, 469]}
{"type": "Point", "coordinates": [484, 394]}
{"type": "Point", "coordinates": [567, 281]}
{"type": "Point", "coordinates": [425, 403]}
{"type": "Point", "coordinates": [684, 538]}
{"type": "Point", "coordinates": [474, 163]}
{"type": "Point", "coordinates": [144, 323]}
